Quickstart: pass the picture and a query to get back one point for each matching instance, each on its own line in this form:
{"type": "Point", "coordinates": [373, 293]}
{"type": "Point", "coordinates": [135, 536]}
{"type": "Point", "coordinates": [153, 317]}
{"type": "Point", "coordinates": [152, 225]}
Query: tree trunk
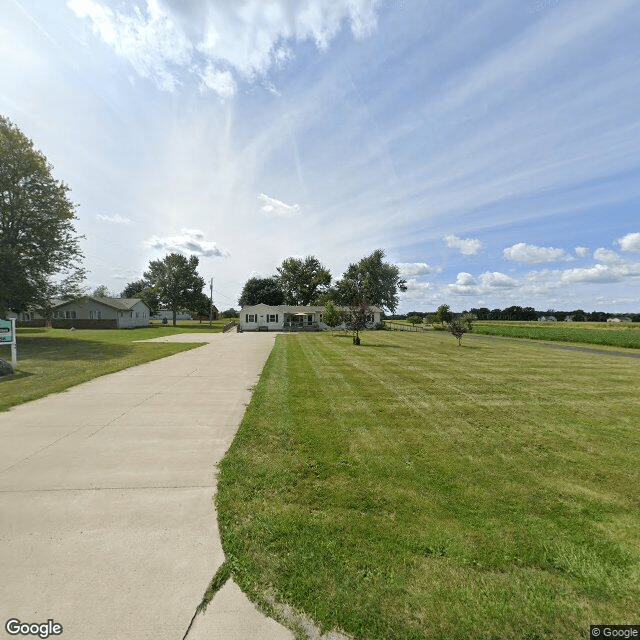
{"type": "Point", "coordinates": [174, 317]}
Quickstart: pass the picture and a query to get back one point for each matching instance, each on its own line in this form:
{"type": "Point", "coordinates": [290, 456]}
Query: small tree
{"type": "Point", "coordinates": [458, 328]}
{"type": "Point", "coordinates": [414, 320]}
{"type": "Point", "coordinates": [331, 315]}
{"type": "Point", "coordinates": [359, 309]}
{"type": "Point", "coordinates": [230, 313]}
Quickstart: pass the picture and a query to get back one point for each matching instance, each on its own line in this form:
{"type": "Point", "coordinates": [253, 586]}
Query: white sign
{"type": "Point", "coordinates": [8, 336]}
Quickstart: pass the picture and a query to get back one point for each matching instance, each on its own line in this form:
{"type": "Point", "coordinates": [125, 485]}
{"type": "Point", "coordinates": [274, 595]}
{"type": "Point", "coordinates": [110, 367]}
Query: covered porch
{"type": "Point", "coordinates": [302, 321]}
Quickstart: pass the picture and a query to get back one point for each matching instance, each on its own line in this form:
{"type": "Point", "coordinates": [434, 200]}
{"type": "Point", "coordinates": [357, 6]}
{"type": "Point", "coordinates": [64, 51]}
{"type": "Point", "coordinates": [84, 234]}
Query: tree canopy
{"type": "Point", "coordinates": [143, 290]}
{"type": "Point", "coordinates": [38, 240]}
{"type": "Point", "coordinates": [303, 280]}
{"type": "Point", "coordinates": [175, 281]}
{"type": "Point", "coordinates": [372, 279]}
{"type": "Point", "coordinates": [257, 290]}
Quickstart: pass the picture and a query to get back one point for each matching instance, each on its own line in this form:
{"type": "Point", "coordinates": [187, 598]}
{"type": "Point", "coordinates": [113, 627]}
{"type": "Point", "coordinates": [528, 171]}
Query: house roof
{"type": "Point", "coordinates": [122, 304]}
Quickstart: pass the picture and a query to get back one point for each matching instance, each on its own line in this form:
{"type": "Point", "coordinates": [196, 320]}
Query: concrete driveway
{"type": "Point", "coordinates": [107, 523]}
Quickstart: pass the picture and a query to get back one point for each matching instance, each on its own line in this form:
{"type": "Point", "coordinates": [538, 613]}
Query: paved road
{"type": "Point", "coordinates": [107, 523]}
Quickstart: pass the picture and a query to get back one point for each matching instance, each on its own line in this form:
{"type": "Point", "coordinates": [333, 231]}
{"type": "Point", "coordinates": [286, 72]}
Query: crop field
{"type": "Point", "coordinates": [615, 335]}
{"type": "Point", "coordinates": [411, 489]}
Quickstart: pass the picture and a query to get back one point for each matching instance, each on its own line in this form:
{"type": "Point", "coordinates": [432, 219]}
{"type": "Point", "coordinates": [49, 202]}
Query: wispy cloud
{"type": "Point", "coordinates": [116, 219]}
{"type": "Point", "coordinates": [167, 40]}
{"type": "Point", "coordinates": [583, 252]}
{"type": "Point", "coordinates": [531, 254]}
{"type": "Point", "coordinates": [276, 208]}
{"type": "Point", "coordinates": [191, 241]}
{"type": "Point", "coordinates": [466, 246]}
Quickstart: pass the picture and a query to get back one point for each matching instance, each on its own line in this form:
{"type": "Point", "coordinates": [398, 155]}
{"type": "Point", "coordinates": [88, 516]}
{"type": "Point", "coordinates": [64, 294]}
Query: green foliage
{"type": "Point", "coordinates": [372, 279]}
{"type": "Point", "coordinates": [143, 290]}
{"type": "Point", "coordinates": [468, 319]}
{"type": "Point", "coordinates": [457, 329]}
{"type": "Point", "coordinates": [356, 318]}
{"type": "Point", "coordinates": [176, 283]}
{"type": "Point", "coordinates": [331, 315]}
{"type": "Point", "coordinates": [230, 313]}
{"type": "Point", "coordinates": [414, 320]}
{"type": "Point", "coordinates": [443, 314]}
{"type": "Point", "coordinates": [102, 291]}
{"type": "Point", "coordinates": [303, 281]}
{"type": "Point", "coordinates": [38, 241]}
{"type": "Point", "coordinates": [261, 290]}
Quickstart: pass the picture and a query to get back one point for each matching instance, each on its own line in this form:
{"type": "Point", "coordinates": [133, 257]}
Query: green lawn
{"type": "Point", "coordinates": [411, 489]}
{"type": "Point", "coordinates": [52, 360]}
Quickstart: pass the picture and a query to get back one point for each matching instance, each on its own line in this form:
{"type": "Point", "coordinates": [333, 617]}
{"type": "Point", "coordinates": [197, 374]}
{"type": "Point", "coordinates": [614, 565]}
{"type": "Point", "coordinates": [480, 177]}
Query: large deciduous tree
{"type": "Point", "coordinates": [38, 240]}
{"type": "Point", "coordinates": [175, 281]}
{"type": "Point", "coordinates": [303, 280]}
{"type": "Point", "coordinates": [373, 280]}
{"type": "Point", "coordinates": [261, 290]}
{"type": "Point", "coordinates": [143, 290]}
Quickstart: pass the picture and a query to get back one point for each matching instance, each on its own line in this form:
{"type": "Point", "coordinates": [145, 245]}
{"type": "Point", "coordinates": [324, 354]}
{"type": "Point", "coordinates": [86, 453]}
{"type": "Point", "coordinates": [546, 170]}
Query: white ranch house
{"type": "Point", "coordinates": [264, 317]}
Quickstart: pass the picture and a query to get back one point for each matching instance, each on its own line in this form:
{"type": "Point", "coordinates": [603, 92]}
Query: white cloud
{"type": "Point", "coordinates": [607, 256]}
{"type": "Point", "coordinates": [117, 219]}
{"type": "Point", "coordinates": [165, 39]}
{"type": "Point", "coordinates": [490, 280]}
{"type": "Point", "coordinates": [466, 246]}
{"type": "Point", "coordinates": [523, 252]}
{"type": "Point", "coordinates": [630, 242]}
{"type": "Point", "coordinates": [465, 285]}
{"type": "Point", "coordinates": [276, 208]}
{"type": "Point", "coordinates": [598, 273]}
{"type": "Point", "coordinates": [190, 242]}
{"type": "Point", "coordinates": [409, 269]}
{"type": "Point", "coordinates": [583, 252]}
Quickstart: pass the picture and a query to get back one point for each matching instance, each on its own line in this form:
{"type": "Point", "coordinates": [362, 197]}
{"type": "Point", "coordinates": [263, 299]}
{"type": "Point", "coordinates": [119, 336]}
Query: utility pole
{"type": "Point", "coordinates": [211, 303]}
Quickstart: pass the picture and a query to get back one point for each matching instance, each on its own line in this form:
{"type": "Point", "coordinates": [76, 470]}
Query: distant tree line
{"type": "Point", "coordinates": [520, 313]}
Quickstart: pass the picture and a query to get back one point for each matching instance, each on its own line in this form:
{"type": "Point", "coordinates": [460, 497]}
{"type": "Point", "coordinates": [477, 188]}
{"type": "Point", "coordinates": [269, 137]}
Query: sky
{"type": "Point", "coordinates": [491, 148]}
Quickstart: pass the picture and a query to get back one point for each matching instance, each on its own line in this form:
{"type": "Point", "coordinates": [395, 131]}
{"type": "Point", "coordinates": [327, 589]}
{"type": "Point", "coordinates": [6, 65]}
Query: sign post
{"type": "Point", "coordinates": [8, 336]}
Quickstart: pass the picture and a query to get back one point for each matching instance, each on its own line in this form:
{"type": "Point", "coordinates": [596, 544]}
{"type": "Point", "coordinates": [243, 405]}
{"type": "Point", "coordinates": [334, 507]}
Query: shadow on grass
{"type": "Point", "coordinates": [382, 346]}
{"type": "Point", "coordinates": [30, 330]}
{"type": "Point", "coordinates": [71, 349]}
{"type": "Point", "coordinates": [16, 376]}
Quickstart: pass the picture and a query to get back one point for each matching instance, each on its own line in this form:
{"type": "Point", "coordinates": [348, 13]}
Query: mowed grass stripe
{"type": "Point", "coordinates": [409, 488]}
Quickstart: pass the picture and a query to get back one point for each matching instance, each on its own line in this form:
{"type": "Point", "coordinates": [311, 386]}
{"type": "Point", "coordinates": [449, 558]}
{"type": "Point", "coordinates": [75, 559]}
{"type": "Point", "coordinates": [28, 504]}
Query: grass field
{"type": "Point", "coordinates": [617, 335]}
{"type": "Point", "coordinates": [52, 360]}
{"type": "Point", "coordinates": [412, 489]}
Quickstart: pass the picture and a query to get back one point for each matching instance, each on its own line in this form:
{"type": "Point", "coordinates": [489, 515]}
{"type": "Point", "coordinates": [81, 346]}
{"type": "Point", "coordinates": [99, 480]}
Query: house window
{"type": "Point", "coordinates": [370, 318]}
{"type": "Point", "coordinates": [272, 317]}
{"type": "Point", "coordinates": [99, 315]}
{"type": "Point", "coordinates": [137, 314]}
{"type": "Point", "coordinates": [250, 317]}
{"type": "Point", "coordinates": [92, 315]}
